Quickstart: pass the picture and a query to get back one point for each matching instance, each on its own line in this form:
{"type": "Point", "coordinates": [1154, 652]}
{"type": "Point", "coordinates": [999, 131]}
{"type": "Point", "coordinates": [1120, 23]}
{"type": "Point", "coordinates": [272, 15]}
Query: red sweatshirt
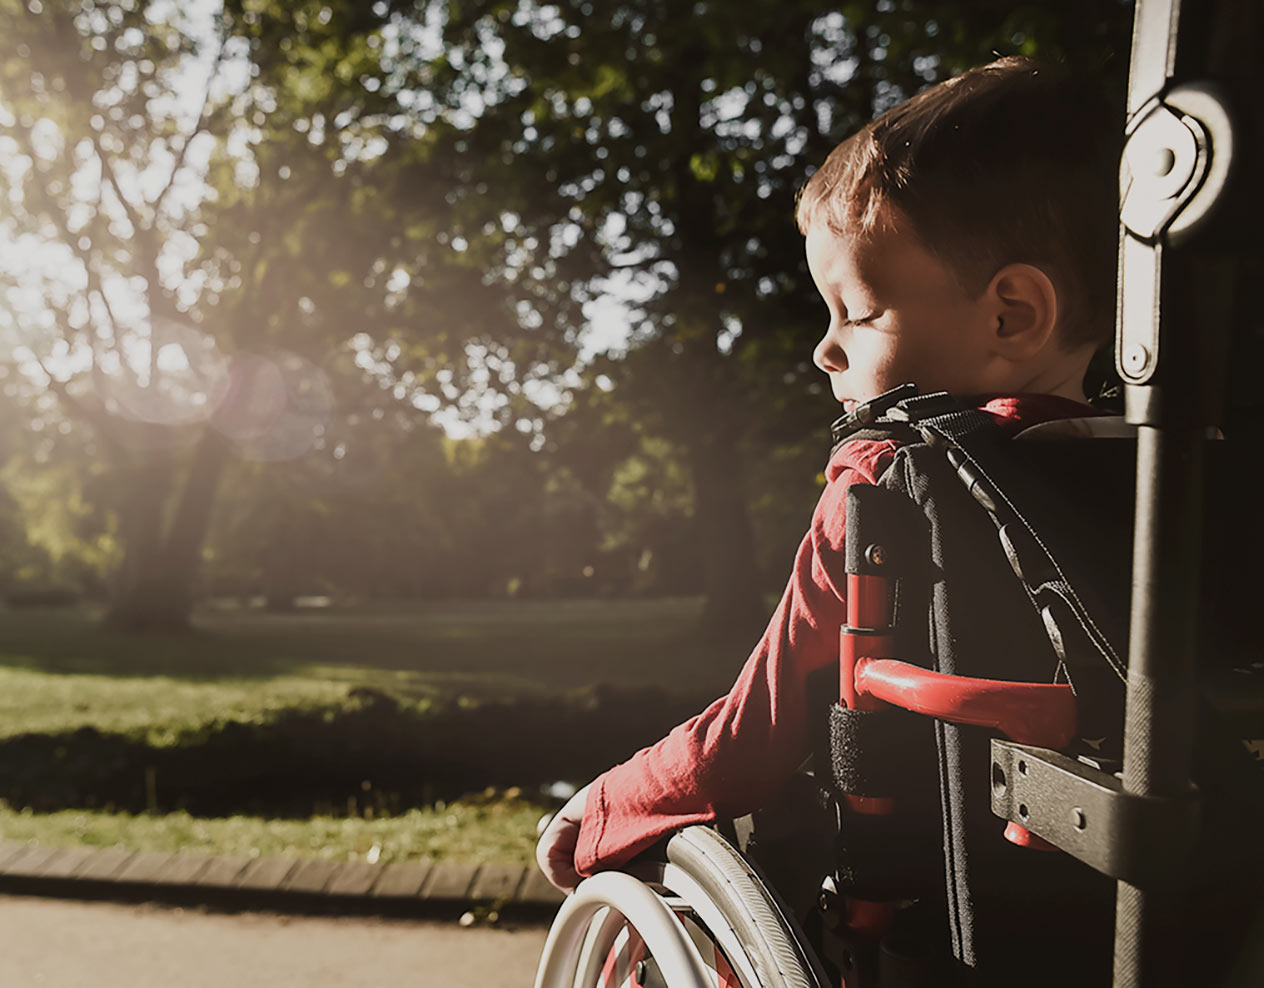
{"type": "Point", "coordinates": [742, 749]}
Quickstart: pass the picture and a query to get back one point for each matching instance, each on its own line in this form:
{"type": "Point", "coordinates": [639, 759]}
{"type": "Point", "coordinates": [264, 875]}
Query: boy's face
{"type": "Point", "coordinates": [897, 314]}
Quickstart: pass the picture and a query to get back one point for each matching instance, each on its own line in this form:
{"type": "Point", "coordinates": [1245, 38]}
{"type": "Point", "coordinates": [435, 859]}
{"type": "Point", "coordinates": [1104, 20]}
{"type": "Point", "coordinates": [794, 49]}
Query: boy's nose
{"type": "Point", "coordinates": [829, 356]}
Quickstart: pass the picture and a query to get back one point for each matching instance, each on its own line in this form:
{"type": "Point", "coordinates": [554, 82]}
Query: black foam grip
{"type": "Point", "coordinates": [876, 753]}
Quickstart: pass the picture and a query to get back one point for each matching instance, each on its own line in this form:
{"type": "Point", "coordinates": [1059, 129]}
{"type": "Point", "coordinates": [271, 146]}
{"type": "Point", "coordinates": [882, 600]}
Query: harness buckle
{"type": "Point", "coordinates": [869, 411]}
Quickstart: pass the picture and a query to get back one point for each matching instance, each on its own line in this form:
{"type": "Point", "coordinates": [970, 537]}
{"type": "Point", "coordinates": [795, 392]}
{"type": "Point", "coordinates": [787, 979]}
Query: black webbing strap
{"type": "Point", "coordinates": [979, 452]}
{"type": "Point", "coordinates": [975, 447]}
{"type": "Point", "coordinates": [1000, 481]}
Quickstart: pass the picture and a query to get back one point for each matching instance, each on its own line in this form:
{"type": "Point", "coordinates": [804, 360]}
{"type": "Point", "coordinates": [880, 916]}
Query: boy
{"type": "Point", "coordinates": [964, 241]}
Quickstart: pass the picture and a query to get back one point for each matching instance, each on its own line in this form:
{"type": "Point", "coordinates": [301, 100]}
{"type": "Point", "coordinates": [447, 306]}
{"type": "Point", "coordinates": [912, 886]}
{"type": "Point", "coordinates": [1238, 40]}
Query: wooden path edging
{"type": "Point", "coordinates": [398, 888]}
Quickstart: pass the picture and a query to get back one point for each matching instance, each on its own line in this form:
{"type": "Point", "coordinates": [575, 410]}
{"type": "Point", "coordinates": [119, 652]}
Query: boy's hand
{"type": "Point", "coordinates": [555, 852]}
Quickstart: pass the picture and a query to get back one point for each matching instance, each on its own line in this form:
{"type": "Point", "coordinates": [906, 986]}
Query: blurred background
{"type": "Point", "coordinates": [406, 408]}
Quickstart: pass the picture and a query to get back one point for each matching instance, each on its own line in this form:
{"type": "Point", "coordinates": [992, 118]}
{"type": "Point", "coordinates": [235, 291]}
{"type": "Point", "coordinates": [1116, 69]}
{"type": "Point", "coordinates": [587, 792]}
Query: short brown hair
{"type": "Point", "coordinates": [1013, 161]}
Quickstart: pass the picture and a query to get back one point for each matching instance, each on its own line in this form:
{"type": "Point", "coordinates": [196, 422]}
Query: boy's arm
{"type": "Point", "coordinates": [743, 748]}
{"type": "Point", "coordinates": [731, 757]}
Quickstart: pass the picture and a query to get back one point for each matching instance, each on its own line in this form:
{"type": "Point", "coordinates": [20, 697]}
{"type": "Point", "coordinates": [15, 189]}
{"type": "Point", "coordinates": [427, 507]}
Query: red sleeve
{"type": "Point", "coordinates": [742, 749]}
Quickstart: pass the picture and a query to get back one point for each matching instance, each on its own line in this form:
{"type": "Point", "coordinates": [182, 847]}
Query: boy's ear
{"type": "Point", "coordinates": [1024, 304]}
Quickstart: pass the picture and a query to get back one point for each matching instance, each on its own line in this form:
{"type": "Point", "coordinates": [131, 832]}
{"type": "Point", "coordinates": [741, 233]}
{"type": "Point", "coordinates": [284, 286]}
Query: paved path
{"type": "Point", "coordinates": [50, 943]}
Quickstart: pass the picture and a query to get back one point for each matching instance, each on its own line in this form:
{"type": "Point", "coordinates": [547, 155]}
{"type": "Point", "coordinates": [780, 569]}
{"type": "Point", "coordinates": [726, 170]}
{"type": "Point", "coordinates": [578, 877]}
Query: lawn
{"type": "Point", "coordinates": [248, 674]}
{"type": "Point", "coordinates": [477, 648]}
{"type": "Point", "coordinates": [159, 708]}
{"type": "Point", "coordinates": [498, 828]}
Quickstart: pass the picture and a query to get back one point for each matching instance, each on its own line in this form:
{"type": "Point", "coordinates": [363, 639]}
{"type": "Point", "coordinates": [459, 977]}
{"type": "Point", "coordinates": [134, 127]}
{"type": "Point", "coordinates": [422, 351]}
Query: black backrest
{"type": "Point", "coordinates": [1011, 911]}
{"type": "Point", "coordinates": [1023, 916]}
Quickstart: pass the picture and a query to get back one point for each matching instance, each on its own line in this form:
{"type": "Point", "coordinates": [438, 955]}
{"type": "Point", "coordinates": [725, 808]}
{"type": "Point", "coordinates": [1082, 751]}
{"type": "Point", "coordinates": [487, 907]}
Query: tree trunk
{"type": "Point", "coordinates": [282, 569]}
{"type": "Point", "coordinates": [183, 551]}
{"type": "Point", "coordinates": [158, 578]}
{"type": "Point", "coordinates": [143, 497]}
{"type": "Point", "coordinates": [733, 606]}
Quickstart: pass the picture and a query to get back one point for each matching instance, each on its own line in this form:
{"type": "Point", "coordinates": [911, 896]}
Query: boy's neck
{"type": "Point", "coordinates": [1064, 379]}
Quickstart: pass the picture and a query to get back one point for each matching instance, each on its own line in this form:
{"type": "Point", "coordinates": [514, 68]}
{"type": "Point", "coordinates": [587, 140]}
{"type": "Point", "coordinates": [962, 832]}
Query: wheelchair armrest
{"type": "Point", "coordinates": [1038, 714]}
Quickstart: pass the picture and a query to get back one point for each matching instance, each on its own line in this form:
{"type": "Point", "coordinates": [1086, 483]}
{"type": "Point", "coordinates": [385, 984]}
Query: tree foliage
{"type": "Point", "coordinates": [658, 147]}
{"type": "Point", "coordinates": [212, 212]}
{"type": "Point", "coordinates": [253, 248]}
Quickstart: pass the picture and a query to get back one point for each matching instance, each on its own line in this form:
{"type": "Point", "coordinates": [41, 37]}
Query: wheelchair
{"type": "Point", "coordinates": [890, 868]}
{"type": "Point", "coordinates": [699, 915]}
{"type": "Point", "coordinates": [1056, 631]}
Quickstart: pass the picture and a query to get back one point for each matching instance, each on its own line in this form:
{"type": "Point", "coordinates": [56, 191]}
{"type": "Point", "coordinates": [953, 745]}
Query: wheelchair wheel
{"type": "Point", "coordinates": [700, 918]}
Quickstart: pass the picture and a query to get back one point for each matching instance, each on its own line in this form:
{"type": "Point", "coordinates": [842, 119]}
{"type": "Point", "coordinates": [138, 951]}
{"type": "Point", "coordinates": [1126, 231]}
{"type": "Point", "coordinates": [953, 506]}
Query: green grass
{"type": "Point", "coordinates": [241, 665]}
{"type": "Point", "coordinates": [159, 709]}
{"type": "Point", "coordinates": [61, 671]}
{"type": "Point", "coordinates": [489, 829]}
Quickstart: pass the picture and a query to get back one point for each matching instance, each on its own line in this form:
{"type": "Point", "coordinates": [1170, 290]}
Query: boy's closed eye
{"type": "Point", "coordinates": [864, 320]}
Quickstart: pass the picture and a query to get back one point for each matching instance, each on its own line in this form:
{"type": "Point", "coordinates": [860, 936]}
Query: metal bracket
{"type": "Point", "coordinates": [1164, 161]}
{"type": "Point", "coordinates": [1175, 164]}
{"type": "Point", "coordinates": [1086, 812]}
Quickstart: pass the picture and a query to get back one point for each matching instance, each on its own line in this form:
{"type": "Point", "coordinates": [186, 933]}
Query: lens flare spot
{"type": "Point", "coordinates": [164, 378]}
{"type": "Point", "coordinates": [275, 405]}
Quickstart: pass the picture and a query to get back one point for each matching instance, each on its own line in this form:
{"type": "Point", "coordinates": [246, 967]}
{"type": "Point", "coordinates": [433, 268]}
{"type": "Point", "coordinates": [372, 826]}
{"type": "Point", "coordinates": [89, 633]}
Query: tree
{"type": "Point", "coordinates": [210, 209]}
{"type": "Point", "coordinates": [238, 230]}
{"type": "Point", "coordinates": [659, 146]}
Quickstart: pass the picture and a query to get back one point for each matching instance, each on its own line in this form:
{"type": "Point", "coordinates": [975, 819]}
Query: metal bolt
{"type": "Point", "coordinates": [1078, 819]}
{"type": "Point", "coordinates": [876, 555]}
{"type": "Point", "coordinates": [999, 781]}
{"type": "Point", "coordinates": [1162, 161]}
{"type": "Point", "coordinates": [1136, 358]}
